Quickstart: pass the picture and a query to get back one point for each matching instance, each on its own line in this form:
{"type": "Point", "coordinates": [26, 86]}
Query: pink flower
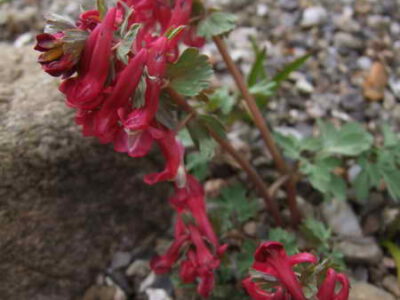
{"type": "Point", "coordinates": [84, 90]}
{"type": "Point", "coordinates": [88, 20]}
{"type": "Point", "coordinates": [327, 289]}
{"type": "Point", "coordinates": [271, 258]}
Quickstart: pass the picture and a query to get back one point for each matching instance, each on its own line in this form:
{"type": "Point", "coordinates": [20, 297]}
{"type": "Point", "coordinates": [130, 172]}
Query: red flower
{"type": "Point", "coordinates": [54, 60]}
{"type": "Point", "coordinates": [256, 293]}
{"type": "Point", "coordinates": [84, 90]}
{"type": "Point", "coordinates": [327, 289]}
{"type": "Point", "coordinates": [88, 20]}
{"type": "Point", "coordinates": [173, 152]}
{"type": "Point", "coordinates": [271, 258]}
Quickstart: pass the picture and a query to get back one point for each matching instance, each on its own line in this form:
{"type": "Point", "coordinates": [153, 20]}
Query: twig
{"type": "Point", "coordinates": [244, 164]}
{"type": "Point", "coordinates": [262, 126]}
{"type": "Point", "coordinates": [277, 184]}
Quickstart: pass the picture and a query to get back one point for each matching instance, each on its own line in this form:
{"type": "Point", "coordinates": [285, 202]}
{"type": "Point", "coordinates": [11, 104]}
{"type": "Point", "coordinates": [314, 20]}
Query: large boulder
{"type": "Point", "coordinates": [66, 202]}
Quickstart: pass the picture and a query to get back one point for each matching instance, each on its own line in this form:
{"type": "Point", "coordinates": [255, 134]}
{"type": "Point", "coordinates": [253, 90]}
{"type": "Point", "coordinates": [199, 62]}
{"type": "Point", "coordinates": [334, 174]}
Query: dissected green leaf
{"type": "Point", "coordinates": [213, 123]}
{"type": "Point", "coordinates": [362, 186]}
{"type": "Point", "coordinates": [392, 179]}
{"type": "Point", "coordinates": [316, 232]}
{"type": "Point", "coordinates": [263, 88]}
{"type": "Point", "coordinates": [202, 139]}
{"type": "Point", "coordinates": [246, 257]}
{"type": "Point", "coordinates": [190, 74]}
{"type": "Point", "coordinates": [338, 187]}
{"type": "Point", "coordinates": [352, 139]}
{"type": "Point", "coordinates": [217, 23]}
{"type": "Point", "coordinates": [56, 23]}
{"type": "Point", "coordinates": [311, 144]}
{"type": "Point", "coordinates": [127, 42]}
{"type": "Point", "coordinates": [390, 138]}
{"type": "Point", "coordinates": [127, 13]}
{"type": "Point", "coordinates": [290, 145]}
{"type": "Point", "coordinates": [288, 239]}
{"type": "Point", "coordinates": [234, 206]}
{"type": "Point", "coordinates": [291, 67]}
{"type": "Point", "coordinates": [198, 165]}
{"type": "Point", "coordinates": [221, 99]}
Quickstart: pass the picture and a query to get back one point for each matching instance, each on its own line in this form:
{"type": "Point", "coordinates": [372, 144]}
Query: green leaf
{"type": "Point", "coordinates": [311, 144]}
{"type": "Point", "coordinates": [288, 69]}
{"type": "Point", "coordinates": [352, 139]}
{"type": "Point", "coordinates": [197, 164]}
{"type": "Point", "coordinates": [290, 145]}
{"type": "Point", "coordinates": [245, 258]}
{"type": "Point", "coordinates": [126, 43]}
{"type": "Point", "coordinates": [362, 186]}
{"type": "Point", "coordinates": [101, 6]}
{"type": "Point", "coordinates": [338, 187]}
{"type": "Point", "coordinates": [166, 113]}
{"type": "Point", "coordinates": [263, 88]}
{"type": "Point", "coordinates": [395, 252]}
{"type": "Point", "coordinates": [288, 239]}
{"type": "Point", "coordinates": [213, 123]}
{"type": "Point", "coordinates": [56, 23]}
{"type": "Point", "coordinates": [316, 232]}
{"type": "Point", "coordinates": [234, 206]}
{"type": "Point", "coordinates": [127, 13]}
{"type": "Point", "coordinates": [217, 23]}
{"type": "Point", "coordinates": [190, 74]}
{"type": "Point", "coordinates": [390, 138]}
{"type": "Point", "coordinates": [185, 138]}
{"type": "Point", "coordinates": [257, 71]}
{"type": "Point", "coordinates": [391, 176]}
{"type": "Point", "coordinates": [202, 139]}
{"type": "Point", "coordinates": [221, 99]}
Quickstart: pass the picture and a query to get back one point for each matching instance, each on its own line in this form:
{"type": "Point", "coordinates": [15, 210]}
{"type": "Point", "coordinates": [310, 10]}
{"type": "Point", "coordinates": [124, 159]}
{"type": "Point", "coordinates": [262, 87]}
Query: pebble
{"type": "Point", "coordinates": [361, 250]}
{"type": "Point", "coordinates": [344, 41]}
{"type": "Point", "coordinates": [157, 294]}
{"type": "Point", "coordinates": [289, 4]}
{"type": "Point", "coordinates": [304, 86]}
{"type": "Point", "coordinates": [139, 267]}
{"type": "Point", "coordinates": [313, 16]}
{"type": "Point", "coordinates": [120, 259]}
{"type": "Point", "coordinates": [262, 10]}
{"type": "Point", "coordinates": [366, 291]}
{"type": "Point", "coordinates": [364, 63]}
{"type": "Point", "coordinates": [341, 218]}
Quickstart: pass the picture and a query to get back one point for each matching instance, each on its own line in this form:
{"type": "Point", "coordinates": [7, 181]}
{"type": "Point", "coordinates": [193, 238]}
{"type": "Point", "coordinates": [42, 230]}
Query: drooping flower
{"type": "Point", "coordinates": [83, 91]}
{"type": "Point", "coordinates": [54, 60]}
{"type": "Point", "coordinates": [327, 290]}
{"type": "Point", "coordinates": [257, 293]}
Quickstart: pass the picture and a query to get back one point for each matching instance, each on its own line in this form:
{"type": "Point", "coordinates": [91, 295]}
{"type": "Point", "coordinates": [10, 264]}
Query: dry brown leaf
{"type": "Point", "coordinates": [375, 82]}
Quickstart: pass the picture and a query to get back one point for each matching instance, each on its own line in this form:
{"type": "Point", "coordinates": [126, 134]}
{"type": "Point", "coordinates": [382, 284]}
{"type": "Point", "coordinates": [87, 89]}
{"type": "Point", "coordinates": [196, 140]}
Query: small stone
{"type": "Point", "coordinates": [391, 283]}
{"type": "Point", "coordinates": [262, 10]}
{"type": "Point", "coordinates": [364, 63]}
{"type": "Point", "coordinates": [304, 86]}
{"type": "Point", "coordinates": [212, 187]}
{"type": "Point", "coordinates": [344, 40]}
{"type": "Point", "coordinates": [341, 218]}
{"type": "Point", "coordinates": [289, 4]}
{"type": "Point", "coordinates": [366, 291]}
{"type": "Point", "coordinates": [314, 16]}
{"type": "Point", "coordinates": [361, 250]}
{"type": "Point", "coordinates": [157, 294]}
{"type": "Point", "coordinates": [97, 292]}
{"type": "Point", "coordinates": [375, 83]}
{"type": "Point", "coordinates": [120, 259]}
{"type": "Point", "coordinates": [250, 228]}
{"type": "Point", "coordinates": [139, 267]}
{"type": "Point", "coordinates": [23, 40]}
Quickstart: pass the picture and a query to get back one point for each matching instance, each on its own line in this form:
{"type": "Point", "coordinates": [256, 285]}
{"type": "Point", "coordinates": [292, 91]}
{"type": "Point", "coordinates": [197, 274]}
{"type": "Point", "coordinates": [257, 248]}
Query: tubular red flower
{"type": "Point", "coordinates": [88, 20]}
{"type": "Point", "coordinates": [327, 289]}
{"type": "Point", "coordinates": [172, 150]}
{"type": "Point", "coordinates": [256, 293]}
{"type": "Point", "coordinates": [83, 91]}
{"type": "Point", "coordinates": [271, 258]}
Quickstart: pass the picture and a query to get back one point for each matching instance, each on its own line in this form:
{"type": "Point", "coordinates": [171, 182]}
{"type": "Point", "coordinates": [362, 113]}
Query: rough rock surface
{"type": "Point", "coordinates": [365, 291]}
{"type": "Point", "coordinates": [66, 202]}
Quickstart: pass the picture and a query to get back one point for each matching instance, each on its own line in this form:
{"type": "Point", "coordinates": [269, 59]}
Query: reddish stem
{"type": "Point", "coordinates": [244, 164]}
{"type": "Point", "coordinates": [262, 126]}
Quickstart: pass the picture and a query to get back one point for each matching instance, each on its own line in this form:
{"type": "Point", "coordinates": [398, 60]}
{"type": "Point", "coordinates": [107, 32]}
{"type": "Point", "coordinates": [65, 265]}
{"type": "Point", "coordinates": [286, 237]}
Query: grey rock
{"type": "Point", "coordinates": [139, 268]}
{"type": "Point", "coordinates": [288, 4]}
{"type": "Point", "coordinates": [157, 294]}
{"type": "Point", "coordinates": [364, 63]}
{"type": "Point", "coordinates": [366, 291]}
{"type": "Point", "coordinates": [313, 16]}
{"type": "Point", "coordinates": [341, 218]}
{"type": "Point", "coordinates": [391, 283]}
{"type": "Point", "coordinates": [344, 41]}
{"type": "Point", "coordinates": [361, 250]}
{"type": "Point", "coordinates": [120, 259]}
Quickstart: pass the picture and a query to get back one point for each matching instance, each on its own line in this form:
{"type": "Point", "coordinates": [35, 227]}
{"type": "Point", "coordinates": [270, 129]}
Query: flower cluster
{"type": "Point", "coordinates": [116, 97]}
{"type": "Point", "coordinates": [274, 269]}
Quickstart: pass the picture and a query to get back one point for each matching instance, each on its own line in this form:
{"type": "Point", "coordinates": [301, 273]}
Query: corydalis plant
{"type": "Point", "coordinates": [119, 65]}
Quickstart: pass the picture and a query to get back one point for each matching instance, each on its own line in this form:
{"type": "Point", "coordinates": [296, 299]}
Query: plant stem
{"type": "Point", "coordinates": [262, 126]}
{"type": "Point", "coordinates": [244, 164]}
